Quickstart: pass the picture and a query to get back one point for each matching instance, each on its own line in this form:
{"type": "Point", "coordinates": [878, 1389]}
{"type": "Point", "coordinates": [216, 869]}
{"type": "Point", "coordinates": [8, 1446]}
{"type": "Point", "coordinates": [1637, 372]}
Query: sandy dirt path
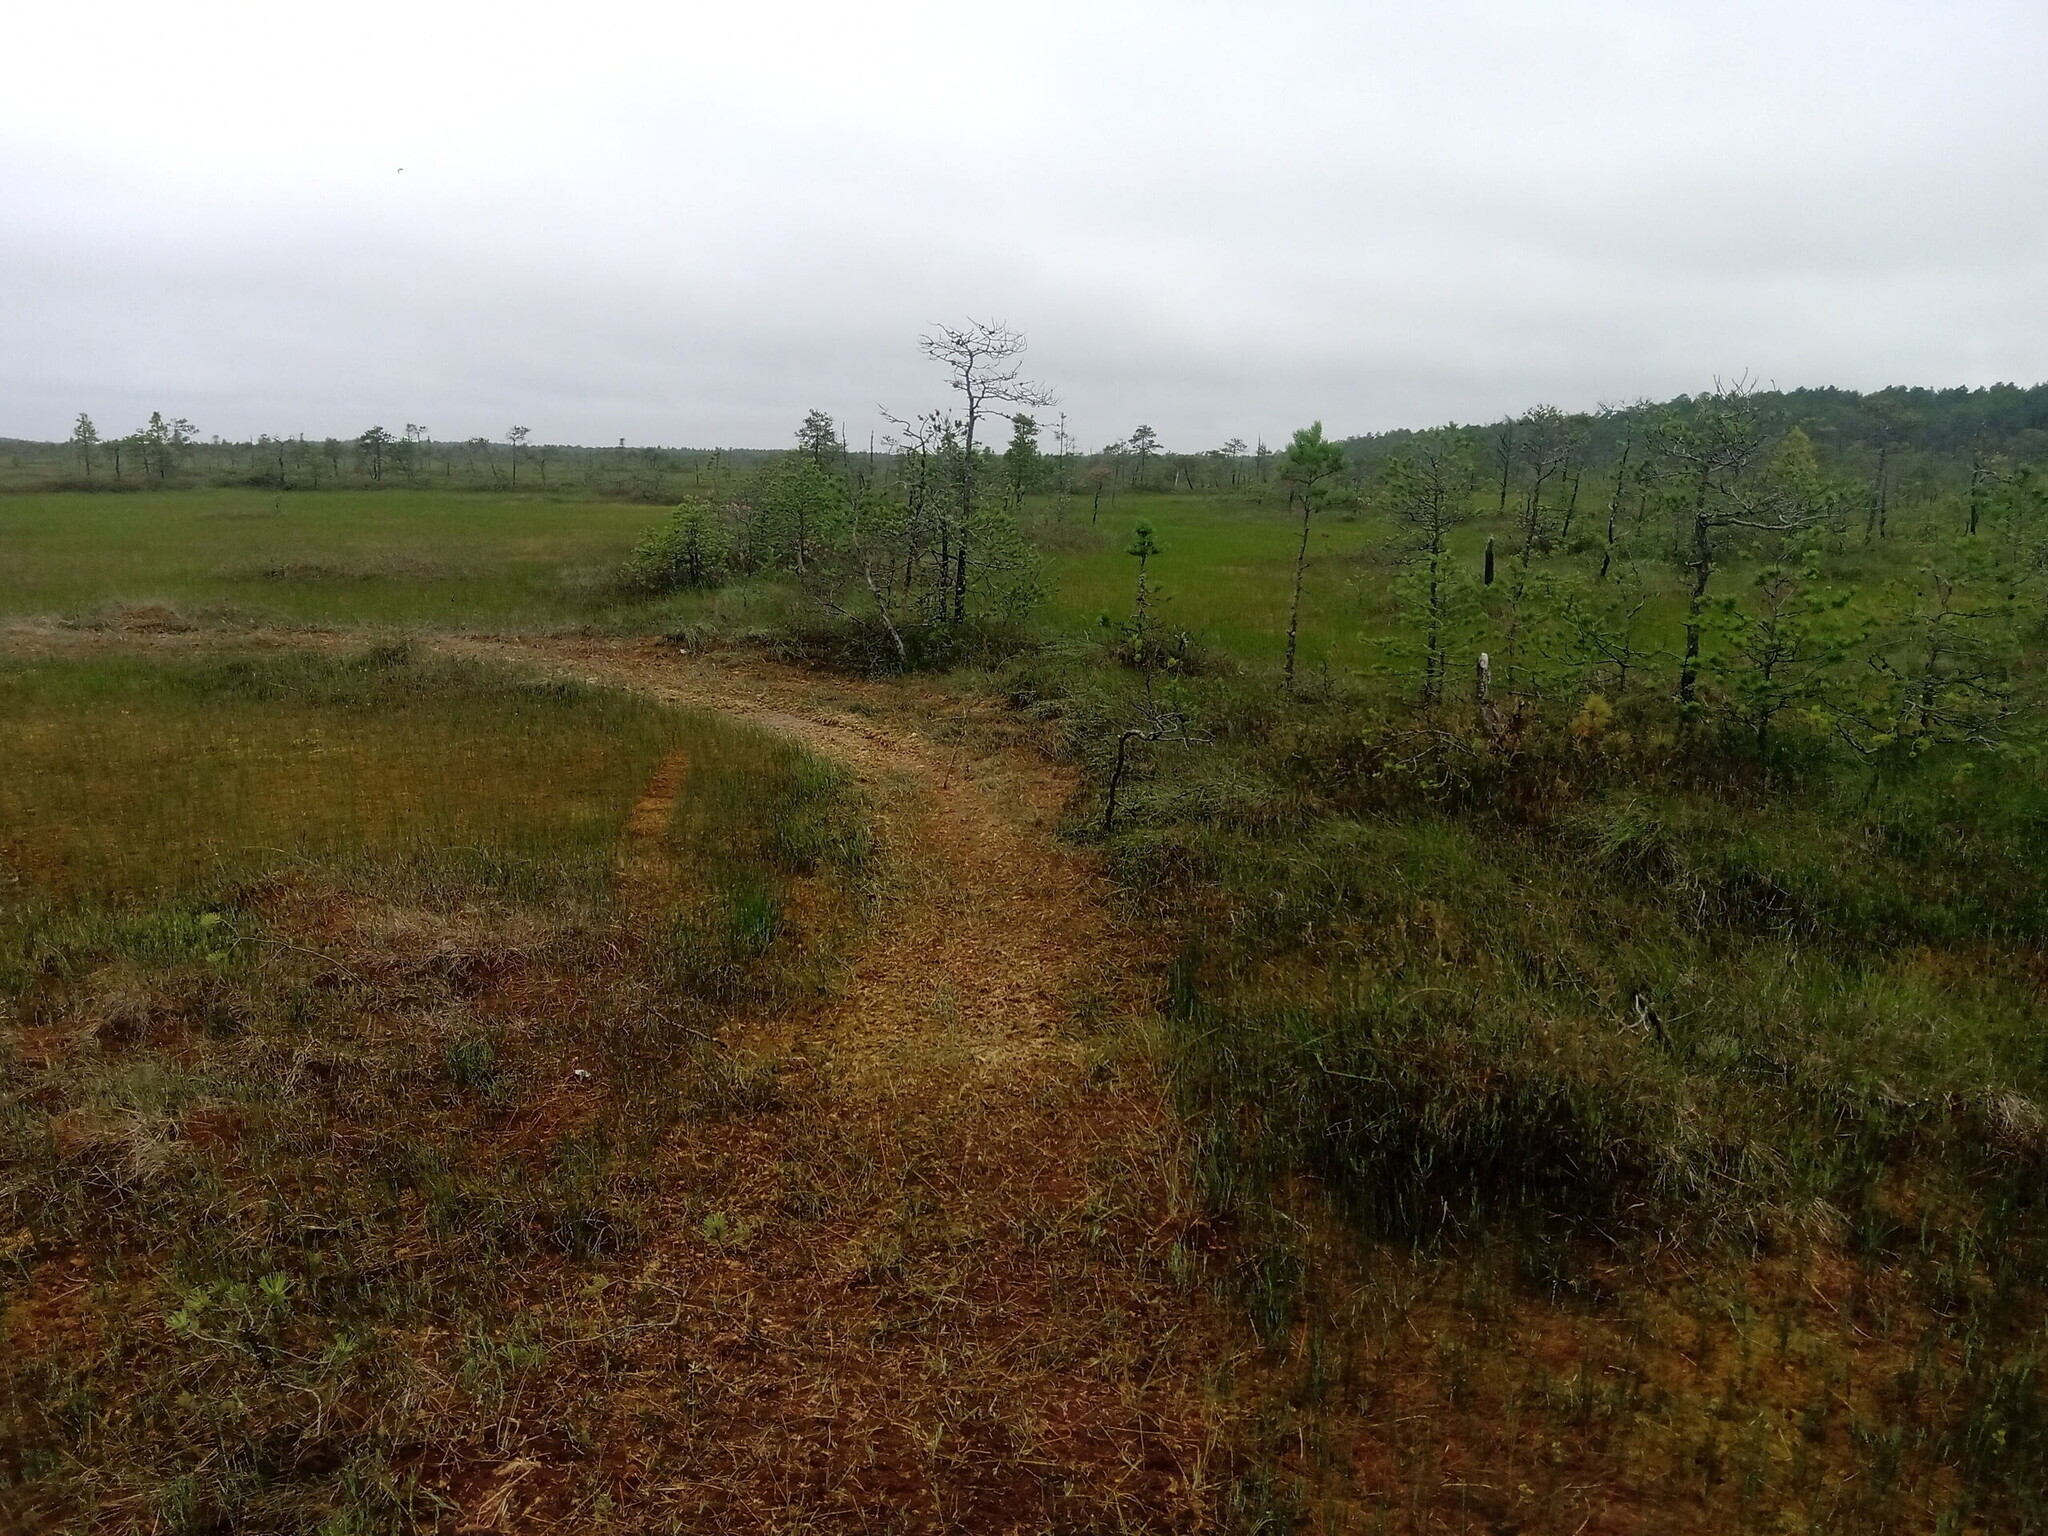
{"type": "Point", "coordinates": [996, 935]}
{"type": "Point", "coordinates": [989, 1335]}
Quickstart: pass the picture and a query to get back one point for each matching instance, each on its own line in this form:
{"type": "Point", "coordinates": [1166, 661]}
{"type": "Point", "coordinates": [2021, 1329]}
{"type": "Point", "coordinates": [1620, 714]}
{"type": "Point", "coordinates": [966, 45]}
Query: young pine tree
{"type": "Point", "coordinates": [688, 553]}
{"type": "Point", "coordinates": [1429, 490]}
{"type": "Point", "coordinates": [1309, 468]}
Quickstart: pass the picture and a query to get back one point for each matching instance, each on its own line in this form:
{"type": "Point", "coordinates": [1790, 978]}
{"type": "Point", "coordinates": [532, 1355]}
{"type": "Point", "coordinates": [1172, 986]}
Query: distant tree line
{"type": "Point", "coordinates": [1907, 443]}
{"type": "Point", "coordinates": [169, 451]}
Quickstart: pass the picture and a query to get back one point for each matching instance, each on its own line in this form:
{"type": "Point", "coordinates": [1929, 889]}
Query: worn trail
{"type": "Point", "coordinates": [964, 1315]}
{"type": "Point", "coordinates": [995, 933]}
{"type": "Point", "coordinates": [918, 1256]}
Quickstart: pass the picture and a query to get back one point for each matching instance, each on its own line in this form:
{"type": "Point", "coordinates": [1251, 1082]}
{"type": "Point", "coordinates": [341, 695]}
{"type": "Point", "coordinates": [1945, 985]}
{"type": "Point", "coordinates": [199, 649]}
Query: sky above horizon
{"type": "Point", "coordinates": [688, 223]}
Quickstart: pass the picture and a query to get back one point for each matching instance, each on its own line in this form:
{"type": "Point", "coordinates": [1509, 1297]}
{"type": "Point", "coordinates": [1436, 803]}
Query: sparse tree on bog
{"type": "Point", "coordinates": [1308, 468]}
{"type": "Point", "coordinates": [1602, 635]}
{"type": "Point", "coordinates": [798, 503]}
{"type": "Point", "coordinates": [1986, 475]}
{"type": "Point", "coordinates": [1622, 467]}
{"type": "Point", "coordinates": [1234, 452]}
{"type": "Point", "coordinates": [161, 444]}
{"type": "Point", "coordinates": [1712, 450]}
{"type": "Point", "coordinates": [1063, 446]}
{"type": "Point", "coordinates": [375, 447]}
{"type": "Point", "coordinates": [688, 554]}
{"type": "Point", "coordinates": [1429, 489]}
{"type": "Point", "coordinates": [1145, 651]}
{"type": "Point", "coordinates": [410, 450]}
{"type": "Point", "coordinates": [1023, 464]}
{"type": "Point", "coordinates": [985, 360]}
{"type": "Point", "coordinates": [1505, 452]}
{"type": "Point", "coordinates": [516, 437]}
{"type": "Point", "coordinates": [817, 437]}
{"type": "Point", "coordinates": [1545, 441]}
{"type": "Point", "coordinates": [1145, 448]}
{"type": "Point", "coordinates": [85, 439]}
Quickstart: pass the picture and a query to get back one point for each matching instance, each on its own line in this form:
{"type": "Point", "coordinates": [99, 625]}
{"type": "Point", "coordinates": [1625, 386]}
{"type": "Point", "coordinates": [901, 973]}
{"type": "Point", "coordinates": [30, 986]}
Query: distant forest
{"type": "Point", "coordinates": [1909, 443]}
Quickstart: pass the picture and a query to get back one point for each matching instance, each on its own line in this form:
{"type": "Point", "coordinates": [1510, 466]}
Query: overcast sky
{"type": "Point", "coordinates": [688, 223]}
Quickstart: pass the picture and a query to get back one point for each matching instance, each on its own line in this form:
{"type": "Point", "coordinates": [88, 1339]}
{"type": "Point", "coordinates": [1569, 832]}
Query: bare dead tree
{"type": "Point", "coordinates": [1621, 469]}
{"type": "Point", "coordinates": [985, 359]}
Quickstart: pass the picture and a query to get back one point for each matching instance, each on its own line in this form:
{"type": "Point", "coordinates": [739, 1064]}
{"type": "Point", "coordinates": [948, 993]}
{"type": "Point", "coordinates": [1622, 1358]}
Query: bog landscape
{"type": "Point", "coordinates": [1473, 979]}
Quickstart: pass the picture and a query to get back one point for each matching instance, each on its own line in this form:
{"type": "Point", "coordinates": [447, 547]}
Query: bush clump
{"type": "Point", "coordinates": [688, 553]}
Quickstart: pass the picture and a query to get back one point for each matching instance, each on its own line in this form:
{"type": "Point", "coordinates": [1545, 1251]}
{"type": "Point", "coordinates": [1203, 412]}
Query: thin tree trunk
{"type": "Point", "coordinates": [1614, 508]}
{"type": "Point", "coordinates": [1294, 608]}
{"type": "Point", "coordinates": [1116, 777]}
{"type": "Point", "coordinates": [1433, 654]}
{"type": "Point", "coordinates": [882, 608]}
{"type": "Point", "coordinates": [1702, 572]}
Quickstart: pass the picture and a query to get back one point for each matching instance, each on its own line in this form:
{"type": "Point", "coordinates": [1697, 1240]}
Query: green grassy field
{"type": "Point", "coordinates": [136, 776]}
{"type": "Point", "coordinates": [1224, 574]}
{"type": "Point", "coordinates": [484, 561]}
{"type": "Point", "coordinates": [340, 558]}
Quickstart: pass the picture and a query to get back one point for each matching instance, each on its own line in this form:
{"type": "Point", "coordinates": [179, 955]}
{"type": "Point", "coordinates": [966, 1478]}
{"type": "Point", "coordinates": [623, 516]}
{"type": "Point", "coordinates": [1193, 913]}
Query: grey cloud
{"type": "Point", "coordinates": [1222, 219]}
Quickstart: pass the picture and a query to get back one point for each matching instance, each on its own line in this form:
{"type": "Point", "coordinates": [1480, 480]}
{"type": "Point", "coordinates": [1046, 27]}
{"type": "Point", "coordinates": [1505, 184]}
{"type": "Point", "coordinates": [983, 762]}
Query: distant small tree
{"type": "Point", "coordinates": [1100, 477]}
{"type": "Point", "coordinates": [1234, 451]}
{"type": "Point", "coordinates": [817, 437]}
{"type": "Point", "coordinates": [374, 446]}
{"type": "Point", "coordinates": [516, 437]}
{"type": "Point", "coordinates": [1504, 456]}
{"type": "Point", "coordinates": [1309, 466]}
{"type": "Point", "coordinates": [1429, 489]}
{"type": "Point", "coordinates": [161, 444]}
{"type": "Point", "coordinates": [1063, 447]}
{"type": "Point", "coordinates": [1023, 464]}
{"type": "Point", "coordinates": [1986, 475]}
{"type": "Point", "coordinates": [1622, 468]}
{"type": "Point", "coordinates": [411, 450]}
{"type": "Point", "coordinates": [85, 438]}
{"type": "Point", "coordinates": [1144, 448]}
